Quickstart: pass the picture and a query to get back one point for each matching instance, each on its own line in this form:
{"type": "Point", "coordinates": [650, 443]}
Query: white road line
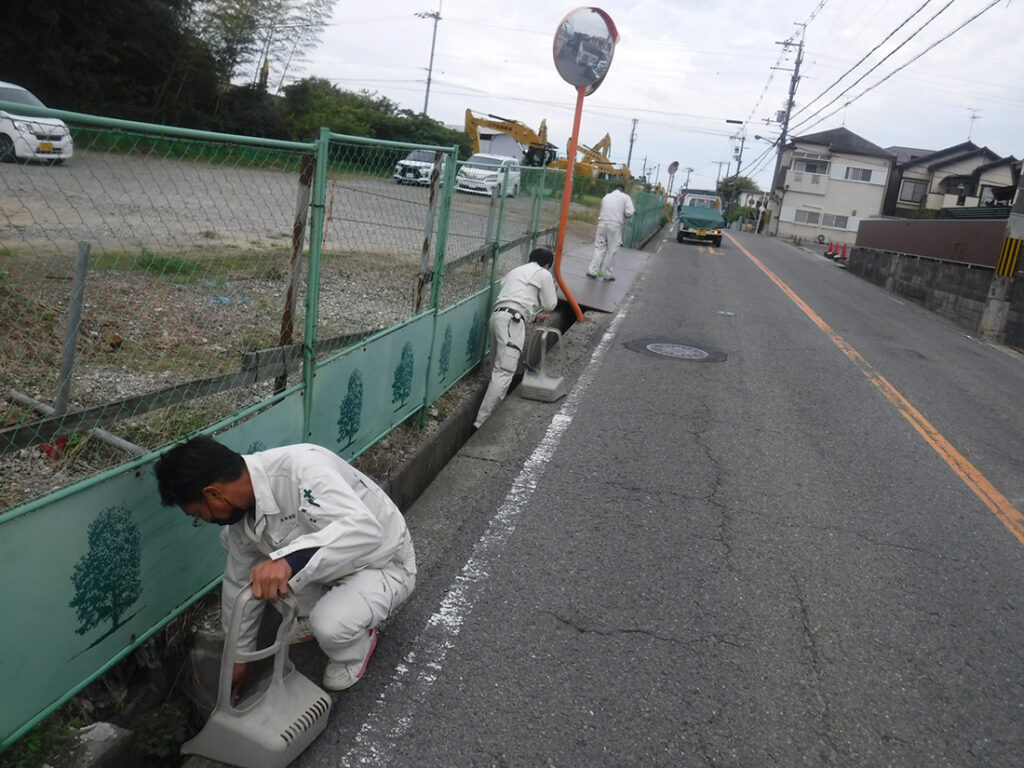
{"type": "Point", "coordinates": [415, 676]}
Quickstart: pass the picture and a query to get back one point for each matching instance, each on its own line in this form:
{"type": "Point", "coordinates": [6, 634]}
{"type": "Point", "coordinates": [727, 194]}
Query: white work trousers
{"type": "Point", "coordinates": [606, 244]}
{"type": "Point", "coordinates": [341, 618]}
{"type": "Point", "coordinates": [505, 331]}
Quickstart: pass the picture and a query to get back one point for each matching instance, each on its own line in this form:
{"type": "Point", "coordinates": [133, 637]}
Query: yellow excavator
{"type": "Point", "coordinates": [593, 161]}
{"type": "Point", "coordinates": [537, 151]}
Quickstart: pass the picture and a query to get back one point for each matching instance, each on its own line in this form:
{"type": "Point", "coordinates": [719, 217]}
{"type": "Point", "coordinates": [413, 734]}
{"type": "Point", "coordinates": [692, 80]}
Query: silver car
{"type": "Point", "coordinates": [417, 167]}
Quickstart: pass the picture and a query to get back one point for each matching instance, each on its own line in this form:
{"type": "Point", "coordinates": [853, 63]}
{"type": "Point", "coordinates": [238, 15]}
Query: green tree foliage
{"type": "Point", "coordinates": [445, 357]}
{"type": "Point", "coordinates": [180, 62]}
{"type": "Point", "coordinates": [401, 386]}
{"type": "Point", "coordinates": [473, 342]}
{"type": "Point", "coordinates": [731, 185]}
{"type": "Point", "coordinates": [314, 102]}
{"type": "Point", "coordinates": [351, 409]}
{"type": "Point", "coordinates": [107, 578]}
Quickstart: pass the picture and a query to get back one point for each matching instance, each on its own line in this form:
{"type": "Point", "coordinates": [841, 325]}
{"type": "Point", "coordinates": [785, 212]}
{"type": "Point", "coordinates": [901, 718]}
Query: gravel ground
{"type": "Point", "coordinates": [190, 331]}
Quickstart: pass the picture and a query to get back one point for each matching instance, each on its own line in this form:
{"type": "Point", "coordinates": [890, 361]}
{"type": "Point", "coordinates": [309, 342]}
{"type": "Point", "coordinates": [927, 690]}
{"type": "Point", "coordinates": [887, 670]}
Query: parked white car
{"type": "Point", "coordinates": [417, 167]}
{"type": "Point", "coordinates": [482, 174]}
{"type": "Point", "coordinates": [24, 137]}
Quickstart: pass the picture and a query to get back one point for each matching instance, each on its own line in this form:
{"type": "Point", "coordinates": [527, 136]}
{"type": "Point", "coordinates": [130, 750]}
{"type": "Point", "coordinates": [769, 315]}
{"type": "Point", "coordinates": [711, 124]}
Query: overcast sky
{"type": "Point", "coordinates": [683, 68]}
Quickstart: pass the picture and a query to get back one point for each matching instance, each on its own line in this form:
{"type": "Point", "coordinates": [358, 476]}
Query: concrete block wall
{"type": "Point", "coordinates": [954, 290]}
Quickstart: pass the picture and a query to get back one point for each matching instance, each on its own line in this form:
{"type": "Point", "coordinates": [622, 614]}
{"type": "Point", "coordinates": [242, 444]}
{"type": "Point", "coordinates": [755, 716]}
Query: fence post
{"type": "Point", "coordinates": [437, 280]}
{"type": "Point", "coordinates": [316, 234]}
{"type": "Point", "coordinates": [538, 195]}
{"type": "Point", "coordinates": [308, 166]}
{"type": "Point", "coordinates": [67, 354]}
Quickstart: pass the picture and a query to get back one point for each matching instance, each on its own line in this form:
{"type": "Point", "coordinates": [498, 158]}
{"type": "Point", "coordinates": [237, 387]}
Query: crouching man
{"type": "Point", "coordinates": [301, 518]}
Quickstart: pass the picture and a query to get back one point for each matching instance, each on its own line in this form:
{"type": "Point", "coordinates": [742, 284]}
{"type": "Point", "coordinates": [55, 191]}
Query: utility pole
{"type": "Point", "coordinates": [436, 16]}
{"type": "Point", "coordinates": [719, 163]}
{"type": "Point", "coordinates": [793, 82]}
{"type": "Point", "coordinates": [688, 172]}
{"type": "Point", "coordinates": [739, 153]}
{"type": "Point", "coordinates": [632, 138]}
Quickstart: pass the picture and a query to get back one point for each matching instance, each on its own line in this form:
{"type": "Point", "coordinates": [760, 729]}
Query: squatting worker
{"type": "Point", "coordinates": [525, 291]}
{"type": "Point", "coordinates": [300, 518]}
{"type": "Point", "coordinates": [616, 207]}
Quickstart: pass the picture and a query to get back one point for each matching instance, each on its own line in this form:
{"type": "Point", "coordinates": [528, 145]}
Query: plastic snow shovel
{"type": "Point", "coordinates": [537, 383]}
{"type": "Point", "coordinates": [272, 724]}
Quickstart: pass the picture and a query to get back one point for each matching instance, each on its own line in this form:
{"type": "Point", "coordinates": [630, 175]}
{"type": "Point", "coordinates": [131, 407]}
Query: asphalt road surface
{"type": "Point", "coordinates": [797, 550]}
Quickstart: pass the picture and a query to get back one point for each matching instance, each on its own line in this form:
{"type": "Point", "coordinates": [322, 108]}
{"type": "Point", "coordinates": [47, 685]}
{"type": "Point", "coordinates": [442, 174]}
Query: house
{"type": "Point", "coordinates": [828, 182]}
{"type": "Point", "coordinates": [962, 176]}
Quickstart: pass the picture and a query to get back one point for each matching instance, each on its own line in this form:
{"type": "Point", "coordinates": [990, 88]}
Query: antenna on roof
{"type": "Point", "coordinates": [974, 116]}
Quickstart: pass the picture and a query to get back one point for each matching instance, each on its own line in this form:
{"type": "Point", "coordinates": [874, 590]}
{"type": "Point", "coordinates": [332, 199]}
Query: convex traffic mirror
{"type": "Point", "coordinates": [584, 45]}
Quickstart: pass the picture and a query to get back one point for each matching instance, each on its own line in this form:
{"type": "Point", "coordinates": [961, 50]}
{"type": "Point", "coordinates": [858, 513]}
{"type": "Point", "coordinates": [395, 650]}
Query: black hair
{"type": "Point", "coordinates": [542, 256]}
{"type": "Point", "coordinates": [620, 187]}
{"type": "Point", "coordinates": [187, 468]}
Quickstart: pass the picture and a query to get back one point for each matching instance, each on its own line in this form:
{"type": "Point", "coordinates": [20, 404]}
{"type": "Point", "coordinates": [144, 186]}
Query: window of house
{"type": "Point", "coordinates": [810, 166]}
{"type": "Point", "coordinates": [833, 220]}
{"type": "Point", "coordinates": [912, 191]}
{"type": "Point", "coordinates": [858, 174]}
{"type": "Point", "coordinates": [806, 217]}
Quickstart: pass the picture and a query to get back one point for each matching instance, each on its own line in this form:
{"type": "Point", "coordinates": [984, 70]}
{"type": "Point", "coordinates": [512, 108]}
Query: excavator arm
{"type": "Point", "coordinates": [538, 152]}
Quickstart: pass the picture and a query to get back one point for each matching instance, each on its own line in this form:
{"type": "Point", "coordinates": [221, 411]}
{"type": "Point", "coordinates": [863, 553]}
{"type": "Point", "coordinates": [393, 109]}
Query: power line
{"type": "Point", "coordinates": [884, 59]}
{"type": "Point", "coordinates": [902, 66]}
{"type": "Point", "coordinates": [884, 41]}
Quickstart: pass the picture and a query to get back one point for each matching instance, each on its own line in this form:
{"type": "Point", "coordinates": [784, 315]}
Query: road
{"type": "Point", "coordinates": [790, 556]}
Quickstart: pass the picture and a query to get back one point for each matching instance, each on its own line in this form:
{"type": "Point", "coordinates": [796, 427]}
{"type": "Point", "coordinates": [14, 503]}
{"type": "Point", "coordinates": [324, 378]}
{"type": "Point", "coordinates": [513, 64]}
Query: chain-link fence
{"type": "Point", "coordinates": [162, 282]}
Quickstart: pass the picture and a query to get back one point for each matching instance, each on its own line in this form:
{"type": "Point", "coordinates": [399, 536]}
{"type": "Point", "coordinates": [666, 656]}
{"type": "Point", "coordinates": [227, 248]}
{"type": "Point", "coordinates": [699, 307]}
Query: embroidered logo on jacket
{"type": "Point", "coordinates": [307, 494]}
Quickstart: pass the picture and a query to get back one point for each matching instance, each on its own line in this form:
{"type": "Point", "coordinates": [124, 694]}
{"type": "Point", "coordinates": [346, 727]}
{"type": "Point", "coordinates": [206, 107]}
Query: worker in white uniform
{"type": "Point", "coordinates": [298, 518]}
{"type": "Point", "coordinates": [616, 207]}
{"type": "Point", "coordinates": [525, 291]}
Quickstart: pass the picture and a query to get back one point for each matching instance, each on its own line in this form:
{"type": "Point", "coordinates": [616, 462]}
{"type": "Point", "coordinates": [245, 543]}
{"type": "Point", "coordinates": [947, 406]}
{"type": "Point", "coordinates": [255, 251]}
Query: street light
{"type": "Point", "coordinates": [436, 16]}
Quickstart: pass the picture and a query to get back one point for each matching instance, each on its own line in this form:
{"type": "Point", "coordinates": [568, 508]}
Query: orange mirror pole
{"type": "Point", "coordinates": [566, 199]}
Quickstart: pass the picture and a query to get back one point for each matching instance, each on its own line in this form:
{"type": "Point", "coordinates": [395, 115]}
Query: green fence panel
{"type": "Point", "coordinates": [459, 343]}
{"type": "Point", "coordinates": [650, 211]}
{"type": "Point", "coordinates": [157, 285]}
{"type": "Point", "coordinates": [99, 569]}
{"type": "Point", "coordinates": [364, 392]}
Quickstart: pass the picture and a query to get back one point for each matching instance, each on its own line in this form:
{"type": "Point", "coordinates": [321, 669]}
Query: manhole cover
{"type": "Point", "coordinates": [676, 350]}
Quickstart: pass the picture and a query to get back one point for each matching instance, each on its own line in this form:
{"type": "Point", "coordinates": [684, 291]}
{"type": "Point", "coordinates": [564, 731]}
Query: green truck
{"type": "Point", "coordinates": [699, 217]}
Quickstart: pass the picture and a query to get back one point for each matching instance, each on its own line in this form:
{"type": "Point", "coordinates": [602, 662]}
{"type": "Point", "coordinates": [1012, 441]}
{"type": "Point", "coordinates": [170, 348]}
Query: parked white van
{"type": "Point", "coordinates": [24, 137]}
{"type": "Point", "coordinates": [483, 173]}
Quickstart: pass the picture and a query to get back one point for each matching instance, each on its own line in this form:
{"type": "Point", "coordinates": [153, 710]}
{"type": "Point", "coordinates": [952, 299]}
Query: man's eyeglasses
{"type": "Point", "coordinates": [197, 521]}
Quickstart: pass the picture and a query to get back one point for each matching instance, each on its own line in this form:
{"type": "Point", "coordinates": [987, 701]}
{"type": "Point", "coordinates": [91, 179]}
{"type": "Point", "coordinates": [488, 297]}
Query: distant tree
{"type": "Point", "coordinates": [401, 387]}
{"type": "Point", "coordinates": [445, 357]}
{"type": "Point", "coordinates": [351, 409]}
{"type": "Point", "coordinates": [730, 186]}
{"type": "Point", "coordinates": [106, 579]}
{"type": "Point", "coordinates": [260, 41]}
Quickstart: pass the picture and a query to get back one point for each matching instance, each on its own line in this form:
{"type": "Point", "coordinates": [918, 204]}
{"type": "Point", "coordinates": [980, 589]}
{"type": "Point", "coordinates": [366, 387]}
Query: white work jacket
{"type": "Point", "coordinates": [308, 497]}
{"type": "Point", "coordinates": [616, 207]}
{"type": "Point", "coordinates": [528, 288]}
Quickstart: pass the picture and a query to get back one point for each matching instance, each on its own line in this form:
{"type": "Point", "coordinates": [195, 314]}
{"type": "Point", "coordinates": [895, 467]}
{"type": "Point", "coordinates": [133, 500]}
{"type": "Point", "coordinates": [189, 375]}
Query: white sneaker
{"type": "Point", "coordinates": [339, 675]}
{"type": "Point", "coordinates": [303, 631]}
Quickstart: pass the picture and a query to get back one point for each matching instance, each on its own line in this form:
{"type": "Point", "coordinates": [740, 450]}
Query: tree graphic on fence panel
{"type": "Point", "coordinates": [106, 579]}
{"type": "Point", "coordinates": [446, 354]}
{"type": "Point", "coordinates": [473, 341]}
{"type": "Point", "coordinates": [401, 388]}
{"type": "Point", "coordinates": [351, 409]}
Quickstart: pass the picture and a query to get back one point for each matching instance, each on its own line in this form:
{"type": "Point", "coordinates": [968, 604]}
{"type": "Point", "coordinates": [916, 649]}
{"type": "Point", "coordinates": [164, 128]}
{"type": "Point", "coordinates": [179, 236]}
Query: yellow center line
{"type": "Point", "coordinates": [1000, 506]}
